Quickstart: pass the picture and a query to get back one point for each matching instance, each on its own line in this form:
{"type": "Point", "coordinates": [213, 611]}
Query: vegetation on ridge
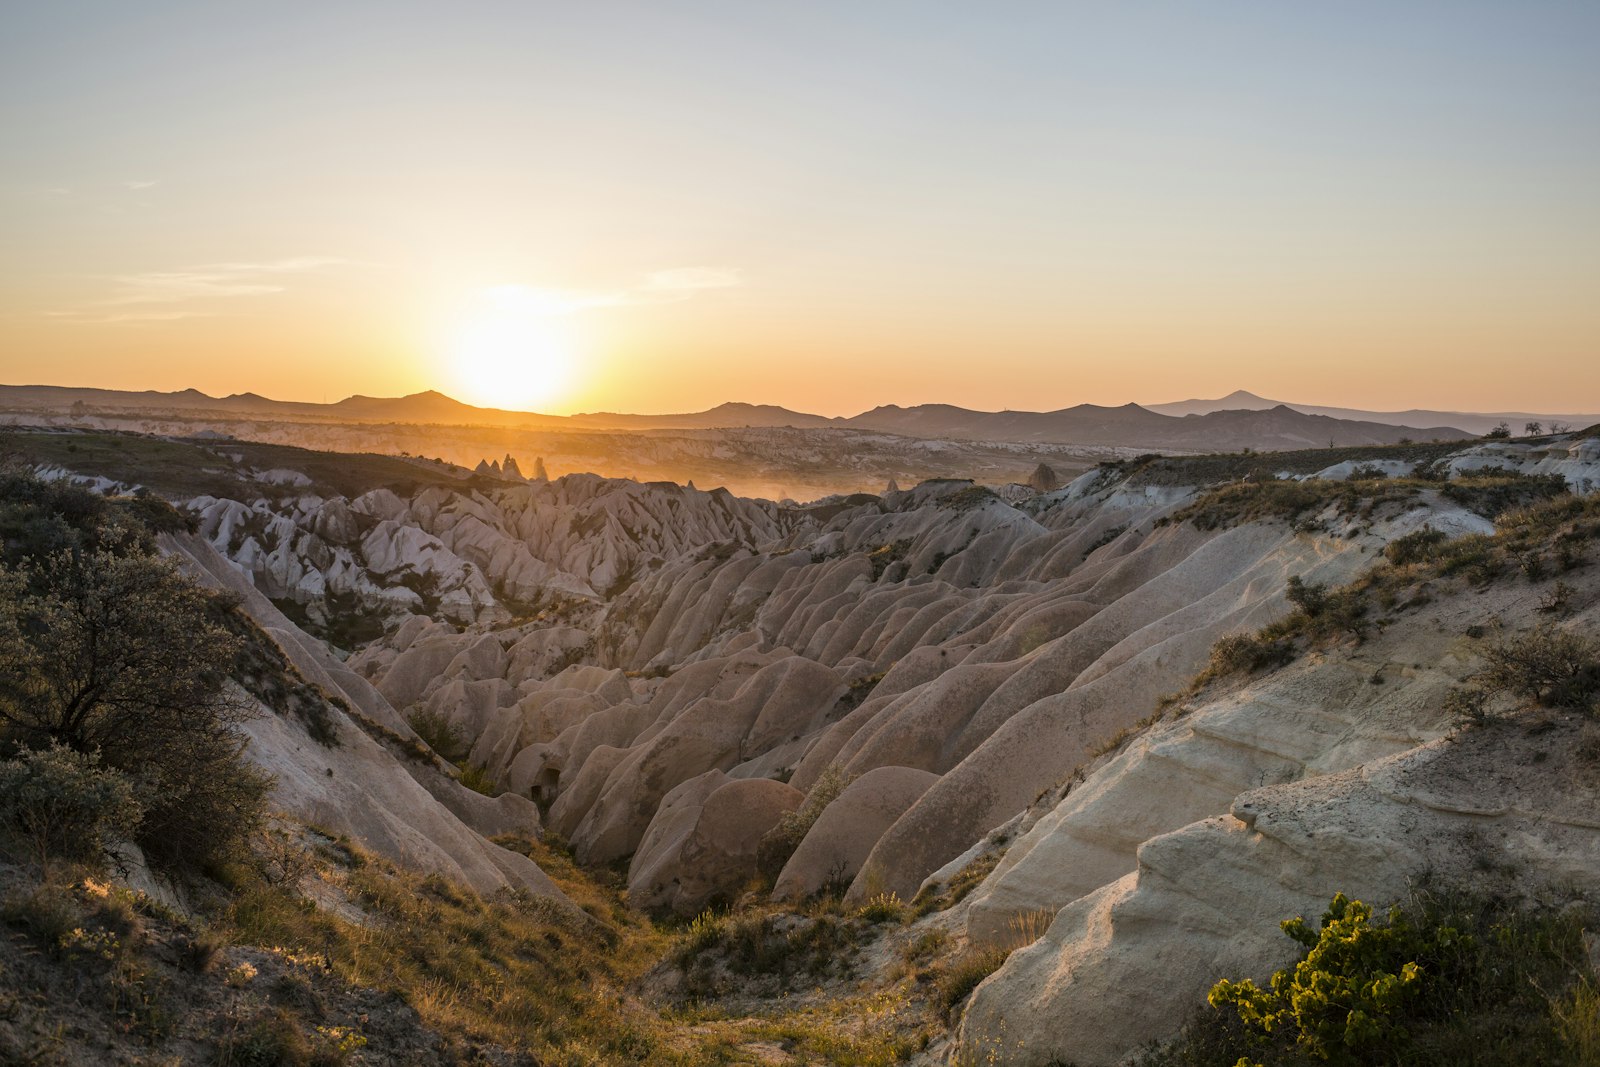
{"type": "Point", "coordinates": [106, 650]}
{"type": "Point", "coordinates": [1441, 982]}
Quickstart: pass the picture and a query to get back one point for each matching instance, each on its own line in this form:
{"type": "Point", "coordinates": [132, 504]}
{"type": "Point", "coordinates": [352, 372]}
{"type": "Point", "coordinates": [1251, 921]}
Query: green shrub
{"type": "Point", "coordinates": [883, 908]}
{"type": "Point", "coordinates": [1414, 547]}
{"type": "Point", "coordinates": [1310, 598]}
{"type": "Point", "coordinates": [1438, 983]}
{"type": "Point", "coordinates": [780, 842]}
{"type": "Point", "coordinates": [1247, 653]}
{"type": "Point", "coordinates": [121, 654]}
{"type": "Point", "coordinates": [64, 805]}
{"type": "Point", "coordinates": [1493, 491]}
{"type": "Point", "coordinates": [1549, 665]}
{"type": "Point", "coordinates": [1353, 990]}
{"type": "Point", "coordinates": [1320, 613]}
{"type": "Point", "coordinates": [757, 945]}
{"type": "Point", "coordinates": [438, 733]}
{"type": "Point", "coordinates": [705, 932]}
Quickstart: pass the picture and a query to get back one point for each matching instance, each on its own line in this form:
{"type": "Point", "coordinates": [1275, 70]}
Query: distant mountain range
{"type": "Point", "coordinates": [1477, 422]}
{"type": "Point", "coordinates": [1239, 420]}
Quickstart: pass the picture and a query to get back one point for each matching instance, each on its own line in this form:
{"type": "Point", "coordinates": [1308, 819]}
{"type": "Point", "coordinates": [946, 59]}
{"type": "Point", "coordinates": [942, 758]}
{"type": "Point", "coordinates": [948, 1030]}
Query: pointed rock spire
{"type": "Point", "coordinates": [539, 473]}
{"type": "Point", "coordinates": [510, 471]}
{"type": "Point", "coordinates": [1043, 479]}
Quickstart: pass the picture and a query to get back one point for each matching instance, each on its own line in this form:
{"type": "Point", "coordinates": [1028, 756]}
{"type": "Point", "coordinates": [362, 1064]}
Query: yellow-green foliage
{"type": "Point", "coordinates": [1438, 983]}
{"type": "Point", "coordinates": [883, 908]}
{"type": "Point", "coordinates": [1577, 1019]}
{"type": "Point", "coordinates": [1351, 993]}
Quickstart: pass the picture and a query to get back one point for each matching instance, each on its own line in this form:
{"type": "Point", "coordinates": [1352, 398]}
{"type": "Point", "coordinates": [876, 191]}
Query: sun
{"type": "Point", "coordinates": [513, 349]}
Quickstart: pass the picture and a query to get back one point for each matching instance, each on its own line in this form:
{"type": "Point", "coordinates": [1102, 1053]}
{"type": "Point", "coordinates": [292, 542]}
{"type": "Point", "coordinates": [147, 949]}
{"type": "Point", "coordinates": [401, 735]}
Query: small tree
{"type": "Point", "coordinates": [118, 655]}
{"type": "Point", "coordinates": [1499, 433]}
{"type": "Point", "coordinates": [1534, 428]}
{"type": "Point", "coordinates": [1552, 666]}
{"type": "Point", "coordinates": [99, 651]}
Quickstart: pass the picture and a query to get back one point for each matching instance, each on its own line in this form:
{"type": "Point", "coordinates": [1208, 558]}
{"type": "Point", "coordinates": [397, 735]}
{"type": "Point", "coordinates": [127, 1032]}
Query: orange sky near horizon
{"type": "Point", "coordinates": [829, 209]}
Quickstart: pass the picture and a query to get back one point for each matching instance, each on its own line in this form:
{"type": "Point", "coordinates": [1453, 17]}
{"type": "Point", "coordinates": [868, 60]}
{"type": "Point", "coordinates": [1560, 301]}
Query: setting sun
{"type": "Point", "coordinates": [513, 349]}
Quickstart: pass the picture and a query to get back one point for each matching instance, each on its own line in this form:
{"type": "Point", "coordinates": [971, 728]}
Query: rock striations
{"type": "Point", "coordinates": [668, 673]}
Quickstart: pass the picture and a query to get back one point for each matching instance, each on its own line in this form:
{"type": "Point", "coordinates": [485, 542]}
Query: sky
{"type": "Point", "coordinates": [662, 206]}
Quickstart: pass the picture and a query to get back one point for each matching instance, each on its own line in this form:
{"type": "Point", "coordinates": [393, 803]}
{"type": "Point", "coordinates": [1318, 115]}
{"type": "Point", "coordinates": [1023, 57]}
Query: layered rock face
{"type": "Point", "coordinates": [1204, 900]}
{"type": "Point", "coordinates": [668, 673]}
{"type": "Point", "coordinates": [412, 812]}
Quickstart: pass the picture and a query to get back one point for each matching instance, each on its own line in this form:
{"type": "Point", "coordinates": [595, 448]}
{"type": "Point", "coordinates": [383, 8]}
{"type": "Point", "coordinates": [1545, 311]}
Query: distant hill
{"type": "Point", "coordinates": [426, 407]}
{"type": "Point", "coordinates": [720, 417]}
{"type": "Point", "coordinates": [1270, 428]}
{"type": "Point", "coordinates": [1273, 429]}
{"type": "Point", "coordinates": [1474, 422]}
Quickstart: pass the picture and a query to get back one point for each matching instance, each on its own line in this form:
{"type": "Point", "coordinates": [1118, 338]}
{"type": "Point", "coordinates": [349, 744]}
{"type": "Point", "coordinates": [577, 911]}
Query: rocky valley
{"type": "Point", "coordinates": [957, 773]}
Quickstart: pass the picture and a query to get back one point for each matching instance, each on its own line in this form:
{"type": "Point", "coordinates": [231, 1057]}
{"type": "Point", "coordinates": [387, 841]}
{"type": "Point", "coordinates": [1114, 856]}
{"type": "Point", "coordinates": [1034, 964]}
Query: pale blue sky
{"type": "Point", "coordinates": [1375, 204]}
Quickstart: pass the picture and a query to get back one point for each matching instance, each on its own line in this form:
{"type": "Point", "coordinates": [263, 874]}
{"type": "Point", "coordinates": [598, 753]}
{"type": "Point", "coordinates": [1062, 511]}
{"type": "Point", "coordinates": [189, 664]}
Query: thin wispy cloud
{"type": "Point", "coordinates": [211, 281]}
{"type": "Point", "coordinates": [153, 296]}
{"type": "Point", "coordinates": [136, 186]}
{"type": "Point", "coordinates": [96, 317]}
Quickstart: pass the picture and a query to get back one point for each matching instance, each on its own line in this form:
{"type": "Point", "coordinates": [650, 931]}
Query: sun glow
{"type": "Point", "coordinates": [514, 349]}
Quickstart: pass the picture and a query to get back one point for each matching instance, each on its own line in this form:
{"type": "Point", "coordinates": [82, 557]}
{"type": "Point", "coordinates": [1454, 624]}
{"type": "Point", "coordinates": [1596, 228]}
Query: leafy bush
{"type": "Point", "coordinates": [1310, 598]}
{"type": "Point", "coordinates": [1247, 653]}
{"type": "Point", "coordinates": [64, 805]}
{"type": "Point", "coordinates": [1493, 491]}
{"type": "Point", "coordinates": [1320, 613]}
{"type": "Point", "coordinates": [113, 650]}
{"type": "Point", "coordinates": [1414, 547]}
{"type": "Point", "coordinates": [1351, 993]}
{"type": "Point", "coordinates": [780, 842]}
{"type": "Point", "coordinates": [1555, 667]}
{"type": "Point", "coordinates": [438, 734]}
{"type": "Point", "coordinates": [1439, 983]}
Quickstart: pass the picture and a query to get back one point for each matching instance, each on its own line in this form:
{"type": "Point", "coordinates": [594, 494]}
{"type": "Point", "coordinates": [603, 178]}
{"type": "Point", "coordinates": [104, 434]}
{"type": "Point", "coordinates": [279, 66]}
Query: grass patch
{"type": "Point", "coordinates": [958, 981]}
